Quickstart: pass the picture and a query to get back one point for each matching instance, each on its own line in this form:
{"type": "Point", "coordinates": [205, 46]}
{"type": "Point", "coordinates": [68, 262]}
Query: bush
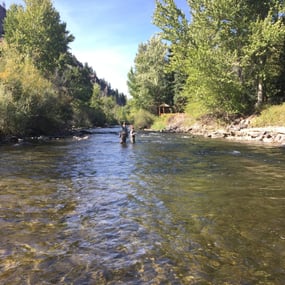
{"type": "Point", "coordinates": [271, 116]}
{"type": "Point", "coordinates": [160, 123]}
{"type": "Point", "coordinates": [142, 119]}
{"type": "Point", "coordinates": [11, 120]}
{"type": "Point", "coordinates": [196, 109]}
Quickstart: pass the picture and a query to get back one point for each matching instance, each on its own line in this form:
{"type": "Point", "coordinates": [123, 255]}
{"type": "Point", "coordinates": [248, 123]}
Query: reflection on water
{"type": "Point", "coordinates": [168, 210]}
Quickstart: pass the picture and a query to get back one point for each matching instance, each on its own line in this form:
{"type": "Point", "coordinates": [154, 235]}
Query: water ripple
{"type": "Point", "coordinates": [168, 210]}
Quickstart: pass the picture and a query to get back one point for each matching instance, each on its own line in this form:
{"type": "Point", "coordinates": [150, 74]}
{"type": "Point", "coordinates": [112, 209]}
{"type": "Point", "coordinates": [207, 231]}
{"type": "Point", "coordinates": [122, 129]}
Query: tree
{"type": "Point", "coordinates": [44, 89]}
{"type": "Point", "coordinates": [75, 78]}
{"type": "Point", "coordinates": [29, 104]}
{"type": "Point", "coordinates": [34, 44]}
{"type": "Point", "coordinates": [264, 50]}
{"type": "Point", "coordinates": [36, 31]}
{"type": "Point", "coordinates": [175, 30]}
{"type": "Point", "coordinates": [229, 51]}
{"type": "Point", "coordinates": [213, 62]}
{"type": "Point", "coordinates": [148, 81]}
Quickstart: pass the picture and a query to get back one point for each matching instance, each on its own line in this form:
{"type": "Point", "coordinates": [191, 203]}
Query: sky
{"type": "Point", "coordinates": [107, 33]}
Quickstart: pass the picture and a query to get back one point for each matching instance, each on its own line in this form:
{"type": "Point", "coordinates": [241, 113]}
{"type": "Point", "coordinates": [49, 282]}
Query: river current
{"type": "Point", "coordinates": [170, 209]}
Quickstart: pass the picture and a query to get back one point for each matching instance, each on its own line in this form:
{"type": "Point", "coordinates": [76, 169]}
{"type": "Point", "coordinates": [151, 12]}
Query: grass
{"type": "Point", "coordinates": [166, 121]}
{"type": "Point", "coordinates": [196, 110]}
{"type": "Point", "coordinates": [160, 123]}
{"type": "Point", "coordinates": [270, 116]}
{"type": "Point", "coordinates": [195, 113]}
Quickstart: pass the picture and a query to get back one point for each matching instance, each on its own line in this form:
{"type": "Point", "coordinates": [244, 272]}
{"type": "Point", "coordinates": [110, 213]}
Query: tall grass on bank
{"type": "Point", "coordinates": [270, 116]}
{"type": "Point", "coordinates": [160, 123]}
{"type": "Point", "coordinates": [193, 112]}
{"type": "Point", "coordinates": [142, 119]}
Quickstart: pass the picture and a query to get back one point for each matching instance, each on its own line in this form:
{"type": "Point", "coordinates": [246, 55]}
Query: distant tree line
{"type": "Point", "coordinates": [226, 56]}
{"type": "Point", "coordinates": [44, 89]}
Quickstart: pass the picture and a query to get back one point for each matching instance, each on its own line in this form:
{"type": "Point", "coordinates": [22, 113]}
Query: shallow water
{"type": "Point", "coordinates": [170, 209]}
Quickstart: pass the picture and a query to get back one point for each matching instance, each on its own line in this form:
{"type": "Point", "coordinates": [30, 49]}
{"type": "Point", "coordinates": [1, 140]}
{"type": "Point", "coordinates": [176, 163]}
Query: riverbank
{"type": "Point", "coordinates": [238, 130]}
{"type": "Point", "coordinates": [77, 134]}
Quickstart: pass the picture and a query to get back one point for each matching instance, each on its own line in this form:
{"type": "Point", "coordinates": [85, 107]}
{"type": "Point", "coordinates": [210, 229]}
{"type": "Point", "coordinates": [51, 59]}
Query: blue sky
{"type": "Point", "coordinates": [107, 33]}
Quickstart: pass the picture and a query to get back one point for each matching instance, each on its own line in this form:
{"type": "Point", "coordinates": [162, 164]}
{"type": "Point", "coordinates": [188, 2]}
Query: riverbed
{"type": "Point", "coordinates": [170, 209]}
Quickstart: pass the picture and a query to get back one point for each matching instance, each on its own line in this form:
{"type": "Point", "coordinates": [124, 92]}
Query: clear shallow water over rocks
{"type": "Point", "coordinates": [169, 209]}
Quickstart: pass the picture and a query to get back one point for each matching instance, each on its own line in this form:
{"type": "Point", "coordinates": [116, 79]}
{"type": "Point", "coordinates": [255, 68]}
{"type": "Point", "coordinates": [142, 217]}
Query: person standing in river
{"type": "Point", "coordinates": [124, 133]}
{"type": "Point", "coordinates": [132, 134]}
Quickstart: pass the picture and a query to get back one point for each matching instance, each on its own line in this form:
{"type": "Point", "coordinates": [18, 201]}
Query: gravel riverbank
{"type": "Point", "coordinates": [239, 130]}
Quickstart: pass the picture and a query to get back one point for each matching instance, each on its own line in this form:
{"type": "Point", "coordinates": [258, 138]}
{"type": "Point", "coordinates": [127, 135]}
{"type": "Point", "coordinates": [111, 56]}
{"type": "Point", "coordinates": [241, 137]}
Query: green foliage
{"type": "Point", "coordinates": [230, 55]}
{"type": "Point", "coordinates": [107, 108]}
{"type": "Point", "coordinates": [120, 114]}
{"type": "Point", "coordinates": [97, 117]}
{"type": "Point", "coordinates": [10, 120]}
{"type": "Point", "coordinates": [29, 103]}
{"type": "Point", "coordinates": [270, 116]}
{"type": "Point", "coordinates": [175, 29]}
{"type": "Point", "coordinates": [141, 118]}
{"type": "Point", "coordinates": [34, 41]}
{"type": "Point", "coordinates": [43, 88]}
{"type": "Point", "coordinates": [74, 78]}
{"type": "Point", "coordinates": [196, 109]}
{"type": "Point", "coordinates": [36, 31]}
{"type": "Point", "coordinates": [160, 123]}
{"type": "Point", "coordinates": [148, 82]}
{"type": "Point", "coordinates": [108, 105]}
{"type": "Point", "coordinates": [180, 102]}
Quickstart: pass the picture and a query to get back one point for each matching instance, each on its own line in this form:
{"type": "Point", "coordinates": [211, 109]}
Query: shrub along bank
{"type": "Point", "coordinates": [266, 127]}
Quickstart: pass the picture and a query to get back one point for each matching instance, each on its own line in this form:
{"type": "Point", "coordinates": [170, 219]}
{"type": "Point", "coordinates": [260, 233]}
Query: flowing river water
{"type": "Point", "coordinates": [170, 209]}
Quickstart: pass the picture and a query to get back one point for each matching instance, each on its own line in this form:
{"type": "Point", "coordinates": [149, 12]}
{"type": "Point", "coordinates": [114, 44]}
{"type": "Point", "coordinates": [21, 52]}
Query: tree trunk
{"type": "Point", "coordinates": [259, 94]}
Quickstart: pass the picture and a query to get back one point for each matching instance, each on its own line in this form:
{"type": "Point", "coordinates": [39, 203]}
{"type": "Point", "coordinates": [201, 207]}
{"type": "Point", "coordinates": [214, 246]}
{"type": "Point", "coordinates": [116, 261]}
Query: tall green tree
{"type": "Point", "coordinates": [37, 31]}
{"type": "Point", "coordinates": [148, 80]}
{"type": "Point", "coordinates": [263, 52]}
{"type": "Point", "coordinates": [217, 30]}
{"type": "Point", "coordinates": [34, 42]}
{"type": "Point", "coordinates": [229, 51]}
{"type": "Point", "coordinates": [29, 103]}
{"type": "Point", "coordinates": [175, 30]}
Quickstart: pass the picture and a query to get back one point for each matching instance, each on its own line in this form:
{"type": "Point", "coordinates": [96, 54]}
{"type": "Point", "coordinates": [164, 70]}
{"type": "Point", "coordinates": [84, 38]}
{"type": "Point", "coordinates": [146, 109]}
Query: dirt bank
{"type": "Point", "coordinates": [239, 130]}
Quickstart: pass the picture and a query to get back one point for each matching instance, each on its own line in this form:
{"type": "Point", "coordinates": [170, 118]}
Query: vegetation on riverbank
{"type": "Point", "coordinates": [267, 127]}
{"type": "Point", "coordinates": [44, 89]}
{"type": "Point", "coordinates": [270, 116]}
{"type": "Point", "coordinates": [273, 116]}
{"type": "Point", "coordinates": [215, 65]}
{"type": "Point", "coordinates": [218, 61]}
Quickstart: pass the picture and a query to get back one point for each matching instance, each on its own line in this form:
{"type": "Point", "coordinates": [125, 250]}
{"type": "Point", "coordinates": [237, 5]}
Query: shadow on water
{"type": "Point", "coordinates": [169, 209]}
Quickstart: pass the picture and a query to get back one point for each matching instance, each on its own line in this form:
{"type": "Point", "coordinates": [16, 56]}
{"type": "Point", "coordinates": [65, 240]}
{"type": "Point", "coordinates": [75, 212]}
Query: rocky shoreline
{"type": "Point", "coordinates": [76, 134]}
{"type": "Point", "coordinates": [240, 130]}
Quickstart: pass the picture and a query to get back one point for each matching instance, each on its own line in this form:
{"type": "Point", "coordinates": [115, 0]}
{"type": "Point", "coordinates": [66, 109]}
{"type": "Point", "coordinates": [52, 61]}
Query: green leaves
{"type": "Point", "coordinates": [44, 89]}
{"type": "Point", "coordinates": [229, 52]}
{"type": "Point", "coordinates": [147, 81]}
{"type": "Point", "coordinates": [171, 20]}
{"type": "Point", "coordinates": [36, 31]}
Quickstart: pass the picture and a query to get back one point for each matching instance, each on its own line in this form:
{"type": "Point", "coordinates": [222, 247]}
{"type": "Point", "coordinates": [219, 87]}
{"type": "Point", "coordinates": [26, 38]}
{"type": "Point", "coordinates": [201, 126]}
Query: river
{"type": "Point", "coordinates": [170, 209]}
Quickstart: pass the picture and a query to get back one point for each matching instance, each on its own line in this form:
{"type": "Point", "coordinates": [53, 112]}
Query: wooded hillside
{"type": "Point", "coordinates": [44, 89]}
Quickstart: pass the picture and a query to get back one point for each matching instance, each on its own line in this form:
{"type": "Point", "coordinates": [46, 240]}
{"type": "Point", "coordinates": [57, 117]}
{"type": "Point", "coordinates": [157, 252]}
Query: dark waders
{"type": "Point", "coordinates": [123, 136]}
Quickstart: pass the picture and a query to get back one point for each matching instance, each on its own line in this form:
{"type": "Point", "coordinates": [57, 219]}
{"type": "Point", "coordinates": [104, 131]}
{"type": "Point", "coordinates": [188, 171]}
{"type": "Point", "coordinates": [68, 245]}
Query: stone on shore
{"type": "Point", "coordinates": [238, 131]}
